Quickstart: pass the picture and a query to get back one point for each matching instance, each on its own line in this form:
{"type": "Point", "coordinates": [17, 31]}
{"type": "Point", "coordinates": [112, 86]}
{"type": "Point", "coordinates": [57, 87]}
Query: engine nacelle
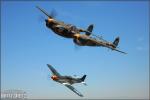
{"type": "Point", "coordinates": [76, 41]}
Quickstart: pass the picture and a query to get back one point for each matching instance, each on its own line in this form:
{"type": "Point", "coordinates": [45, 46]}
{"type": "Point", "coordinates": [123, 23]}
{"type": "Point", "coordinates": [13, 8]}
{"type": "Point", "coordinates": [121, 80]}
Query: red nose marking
{"type": "Point", "coordinates": [54, 77]}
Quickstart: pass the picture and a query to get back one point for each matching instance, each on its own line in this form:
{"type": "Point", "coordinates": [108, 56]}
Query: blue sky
{"type": "Point", "coordinates": [28, 45]}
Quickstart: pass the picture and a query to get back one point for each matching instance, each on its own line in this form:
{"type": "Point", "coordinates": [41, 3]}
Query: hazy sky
{"type": "Point", "coordinates": [28, 45]}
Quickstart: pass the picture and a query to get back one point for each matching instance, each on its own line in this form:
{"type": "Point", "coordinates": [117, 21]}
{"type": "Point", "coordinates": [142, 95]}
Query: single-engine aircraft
{"type": "Point", "coordinates": [66, 80]}
{"type": "Point", "coordinates": [94, 40]}
{"type": "Point", "coordinates": [62, 29]}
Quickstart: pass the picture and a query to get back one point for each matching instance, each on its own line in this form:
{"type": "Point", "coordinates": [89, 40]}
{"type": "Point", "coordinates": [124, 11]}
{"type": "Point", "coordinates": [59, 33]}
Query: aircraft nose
{"type": "Point", "coordinates": [54, 77]}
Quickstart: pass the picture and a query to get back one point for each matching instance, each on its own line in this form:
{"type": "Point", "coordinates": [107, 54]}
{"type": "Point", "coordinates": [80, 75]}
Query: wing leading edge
{"type": "Point", "coordinates": [73, 89]}
{"type": "Point", "coordinates": [53, 70]}
{"type": "Point", "coordinates": [100, 43]}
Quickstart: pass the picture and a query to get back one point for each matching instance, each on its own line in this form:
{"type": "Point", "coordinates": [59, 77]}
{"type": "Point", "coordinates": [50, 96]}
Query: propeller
{"type": "Point", "coordinates": [53, 13]}
{"type": "Point", "coordinates": [48, 77]}
{"type": "Point", "coordinates": [75, 39]}
{"type": "Point", "coordinates": [76, 47]}
{"type": "Point", "coordinates": [41, 18]}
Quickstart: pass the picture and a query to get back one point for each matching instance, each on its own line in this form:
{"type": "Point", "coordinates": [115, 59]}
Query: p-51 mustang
{"type": "Point", "coordinates": [67, 80]}
{"type": "Point", "coordinates": [62, 29]}
{"type": "Point", "coordinates": [84, 40]}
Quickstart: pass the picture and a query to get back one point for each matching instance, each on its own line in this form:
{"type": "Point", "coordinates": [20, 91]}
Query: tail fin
{"type": "Point", "coordinates": [116, 41]}
{"type": "Point", "coordinates": [89, 29]}
{"type": "Point", "coordinates": [83, 78]}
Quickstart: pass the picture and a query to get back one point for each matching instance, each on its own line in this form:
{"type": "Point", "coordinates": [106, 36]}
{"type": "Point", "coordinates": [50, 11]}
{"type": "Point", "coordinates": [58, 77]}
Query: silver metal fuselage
{"type": "Point", "coordinates": [68, 79]}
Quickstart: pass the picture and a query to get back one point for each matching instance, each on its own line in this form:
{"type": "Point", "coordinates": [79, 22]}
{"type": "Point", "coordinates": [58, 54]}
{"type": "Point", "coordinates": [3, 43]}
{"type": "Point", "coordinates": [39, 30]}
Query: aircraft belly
{"type": "Point", "coordinates": [67, 80]}
{"type": "Point", "coordinates": [64, 33]}
{"type": "Point", "coordinates": [91, 44]}
{"type": "Point", "coordinates": [63, 81]}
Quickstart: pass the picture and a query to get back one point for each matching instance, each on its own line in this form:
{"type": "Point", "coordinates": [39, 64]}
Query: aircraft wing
{"type": "Point", "coordinates": [53, 70]}
{"type": "Point", "coordinates": [73, 89]}
{"type": "Point", "coordinates": [95, 41]}
{"type": "Point", "coordinates": [100, 43]}
{"type": "Point", "coordinates": [119, 51]}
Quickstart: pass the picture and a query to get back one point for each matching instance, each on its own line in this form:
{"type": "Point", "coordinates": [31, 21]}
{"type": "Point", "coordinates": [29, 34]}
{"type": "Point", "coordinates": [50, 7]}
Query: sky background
{"type": "Point", "coordinates": [27, 45]}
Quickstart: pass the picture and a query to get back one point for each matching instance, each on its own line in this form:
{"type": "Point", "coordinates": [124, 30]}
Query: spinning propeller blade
{"type": "Point", "coordinates": [51, 15]}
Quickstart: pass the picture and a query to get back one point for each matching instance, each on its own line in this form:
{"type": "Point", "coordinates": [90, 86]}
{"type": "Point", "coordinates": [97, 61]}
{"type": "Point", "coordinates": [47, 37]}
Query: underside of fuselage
{"type": "Point", "coordinates": [67, 79]}
{"type": "Point", "coordinates": [85, 43]}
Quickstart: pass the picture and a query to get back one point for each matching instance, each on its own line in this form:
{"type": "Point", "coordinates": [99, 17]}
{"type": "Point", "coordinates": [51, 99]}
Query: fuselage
{"type": "Point", "coordinates": [61, 29]}
{"type": "Point", "coordinates": [84, 40]}
{"type": "Point", "coordinates": [66, 79]}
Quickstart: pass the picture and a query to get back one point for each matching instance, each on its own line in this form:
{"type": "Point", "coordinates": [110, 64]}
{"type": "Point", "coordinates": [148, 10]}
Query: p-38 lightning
{"type": "Point", "coordinates": [68, 81]}
{"type": "Point", "coordinates": [71, 31]}
{"type": "Point", "coordinates": [84, 40]}
{"type": "Point", "coordinates": [62, 29]}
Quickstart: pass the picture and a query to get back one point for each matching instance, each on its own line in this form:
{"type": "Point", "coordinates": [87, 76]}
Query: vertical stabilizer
{"type": "Point", "coordinates": [116, 41]}
{"type": "Point", "coordinates": [89, 29]}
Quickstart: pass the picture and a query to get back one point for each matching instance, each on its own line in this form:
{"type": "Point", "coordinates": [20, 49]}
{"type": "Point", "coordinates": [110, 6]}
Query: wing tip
{"type": "Point", "coordinates": [81, 95]}
{"type": "Point", "coordinates": [49, 66]}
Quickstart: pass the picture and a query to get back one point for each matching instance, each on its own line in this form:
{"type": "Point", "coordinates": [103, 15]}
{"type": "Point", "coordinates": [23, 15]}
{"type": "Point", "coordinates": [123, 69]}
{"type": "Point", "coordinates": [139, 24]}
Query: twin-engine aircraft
{"type": "Point", "coordinates": [71, 31]}
{"type": "Point", "coordinates": [62, 29]}
{"type": "Point", "coordinates": [68, 81]}
{"type": "Point", "coordinates": [84, 40]}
